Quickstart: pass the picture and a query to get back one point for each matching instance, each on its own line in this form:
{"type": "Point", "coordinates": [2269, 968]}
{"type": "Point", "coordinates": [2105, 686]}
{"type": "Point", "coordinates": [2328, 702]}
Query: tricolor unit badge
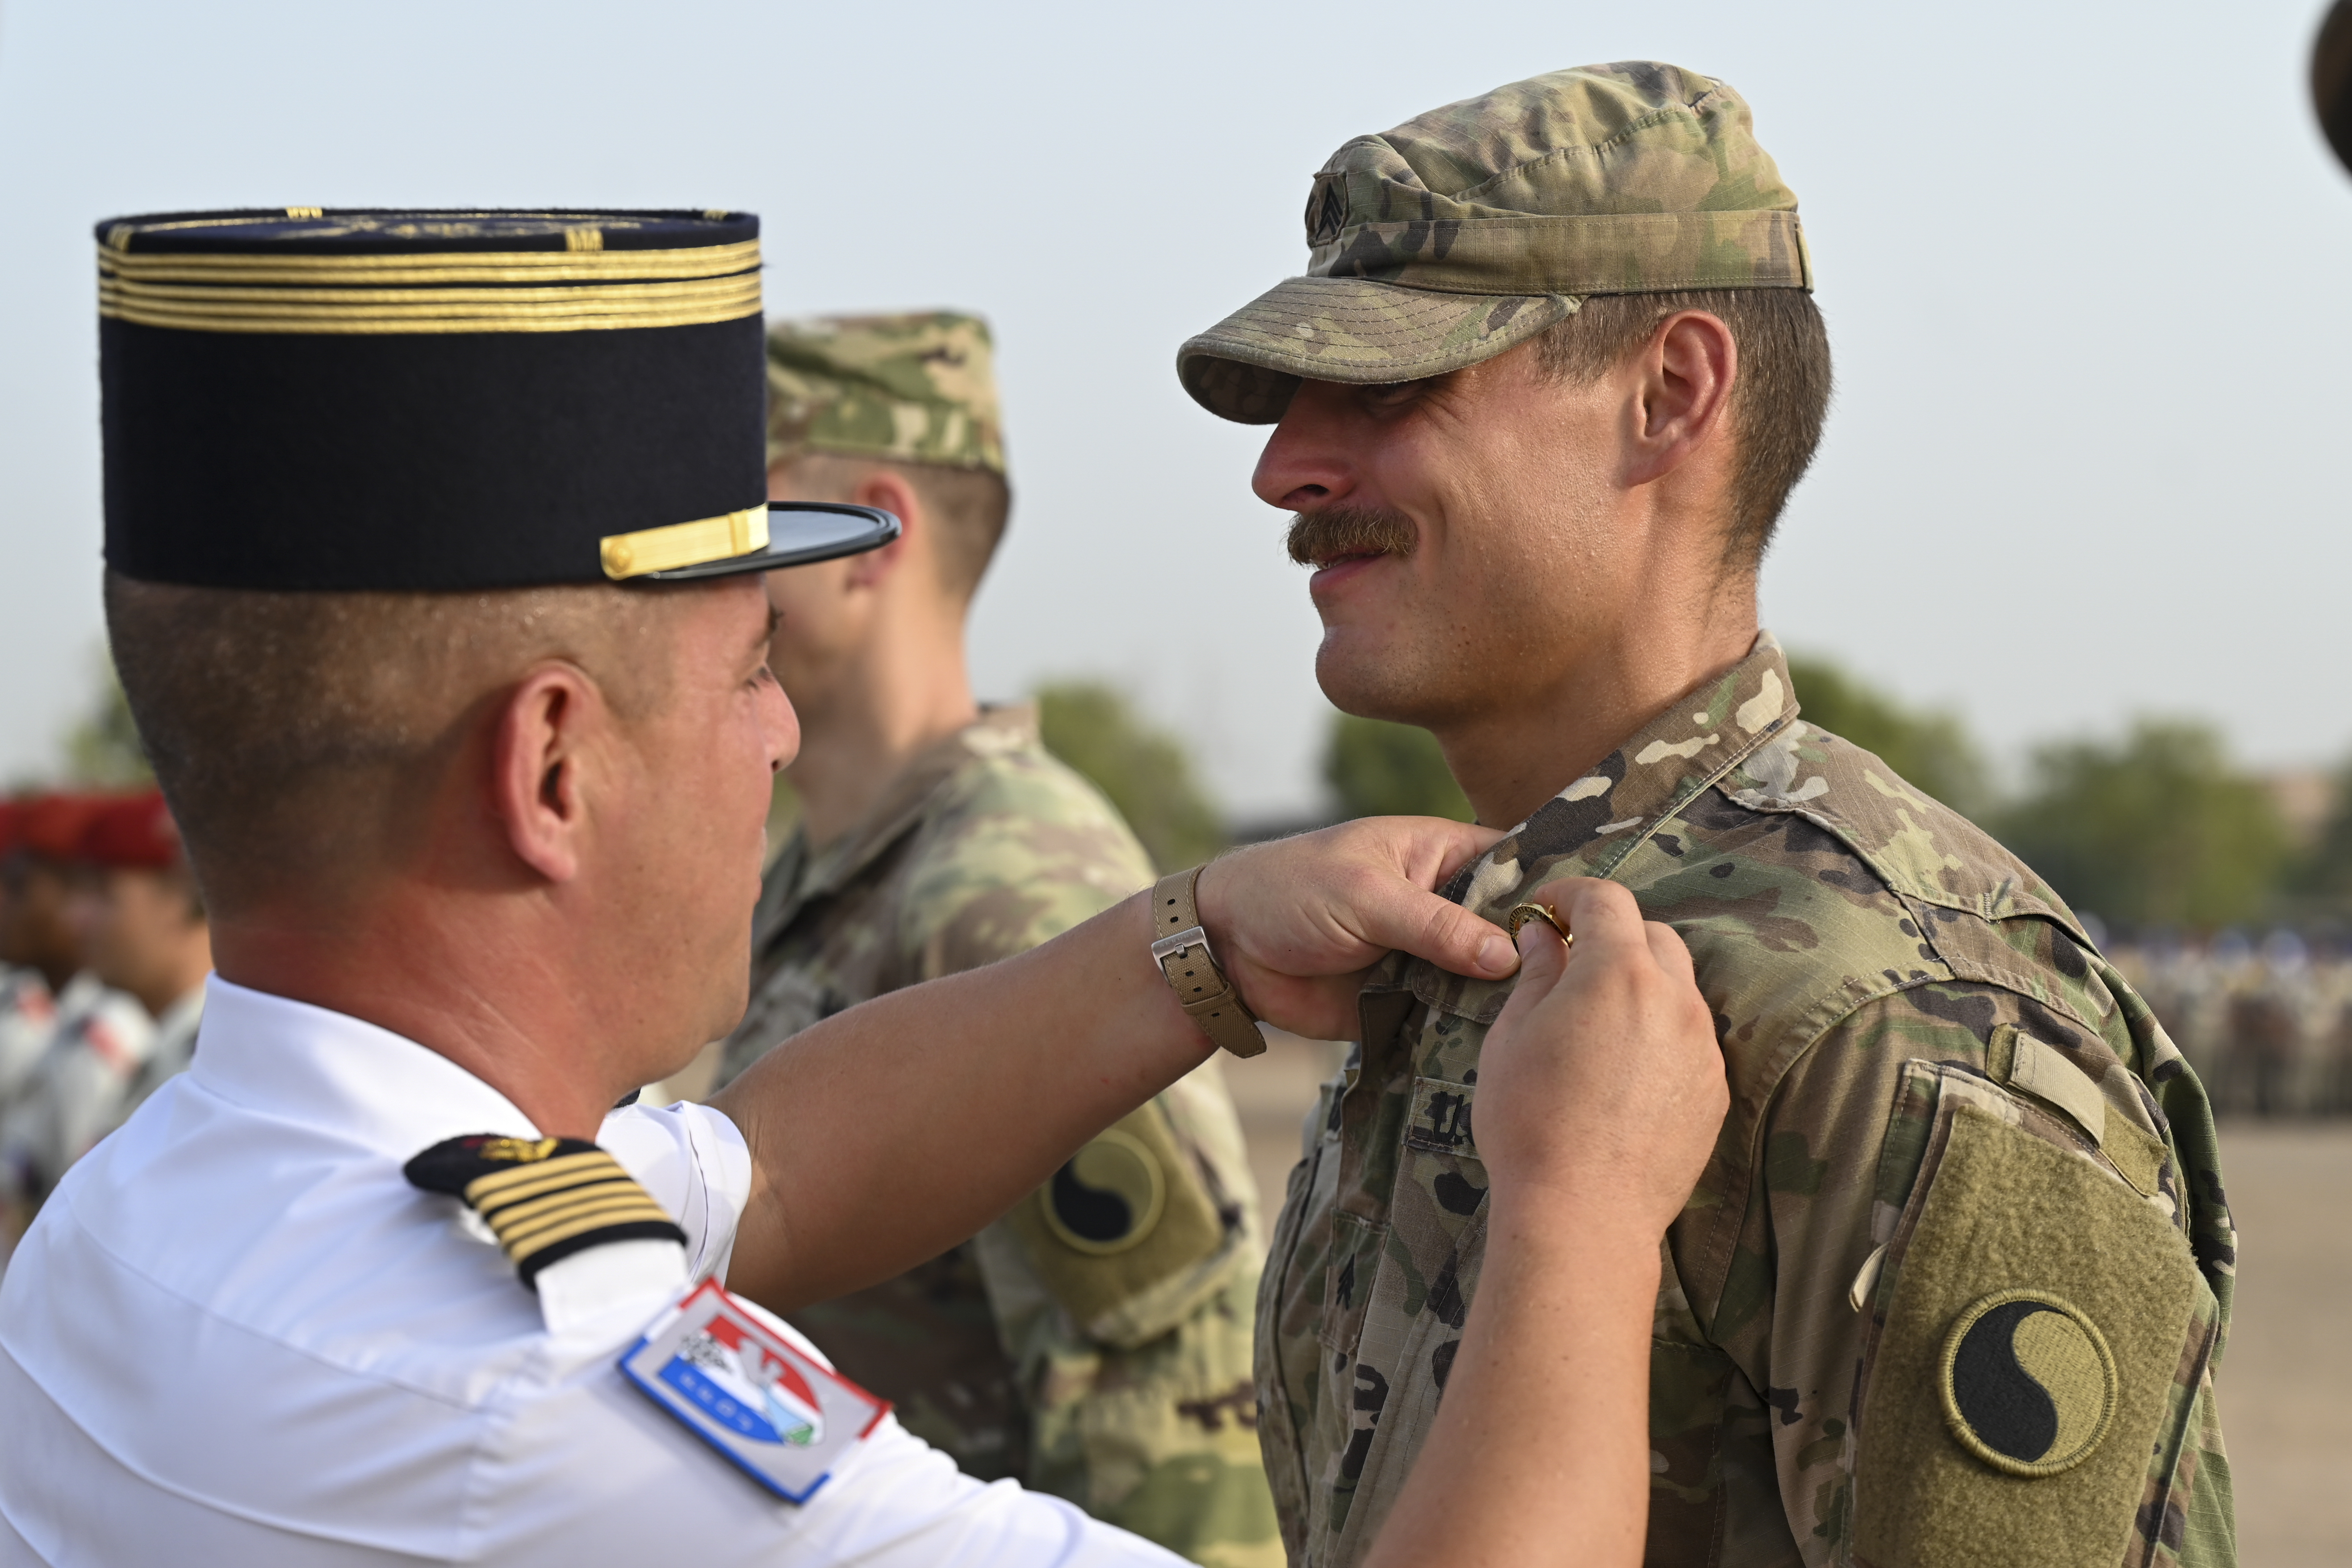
{"type": "Point", "coordinates": [743, 1389]}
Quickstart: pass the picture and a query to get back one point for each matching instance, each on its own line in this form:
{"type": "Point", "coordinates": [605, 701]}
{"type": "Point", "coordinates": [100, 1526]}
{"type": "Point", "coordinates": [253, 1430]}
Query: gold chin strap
{"type": "Point", "coordinates": [628, 556]}
{"type": "Point", "coordinates": [1182, 950]}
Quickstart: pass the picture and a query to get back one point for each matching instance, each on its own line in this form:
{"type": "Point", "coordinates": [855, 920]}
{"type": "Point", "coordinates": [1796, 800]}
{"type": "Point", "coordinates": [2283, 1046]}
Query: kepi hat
{"type": "Point", "coordinates": [419, 401]}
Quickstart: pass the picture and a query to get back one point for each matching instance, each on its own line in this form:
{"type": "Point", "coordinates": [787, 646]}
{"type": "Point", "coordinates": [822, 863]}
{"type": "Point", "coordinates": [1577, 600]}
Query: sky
{"type": "Point", "coordinates": [2083, 265]}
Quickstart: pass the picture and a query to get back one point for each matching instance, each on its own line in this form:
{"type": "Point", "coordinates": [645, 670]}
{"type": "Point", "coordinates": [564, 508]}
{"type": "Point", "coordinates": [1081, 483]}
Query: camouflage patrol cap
{"type": "Point", "coordinates": [915, 388]}
{"type": "Point", "coordinates": [1469, 229]}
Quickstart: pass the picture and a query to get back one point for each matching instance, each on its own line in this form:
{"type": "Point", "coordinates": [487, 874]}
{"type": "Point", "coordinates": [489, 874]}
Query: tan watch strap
{"type": "Point", "coordinates": [1180, 948]}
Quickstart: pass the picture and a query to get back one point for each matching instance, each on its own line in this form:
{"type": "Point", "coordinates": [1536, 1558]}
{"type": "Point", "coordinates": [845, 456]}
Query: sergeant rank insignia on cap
{"type": "Point", "coordinates": [442, 401]}
{"type": "Point", "coordinates": [750, 1393]}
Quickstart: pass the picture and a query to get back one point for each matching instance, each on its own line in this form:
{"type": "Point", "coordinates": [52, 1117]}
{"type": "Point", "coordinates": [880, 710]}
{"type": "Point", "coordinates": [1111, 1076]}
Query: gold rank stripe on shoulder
{"type": "Point", "coordinates": [580, 289]}
{"type": "Point", "coordinates": [532, 1207]}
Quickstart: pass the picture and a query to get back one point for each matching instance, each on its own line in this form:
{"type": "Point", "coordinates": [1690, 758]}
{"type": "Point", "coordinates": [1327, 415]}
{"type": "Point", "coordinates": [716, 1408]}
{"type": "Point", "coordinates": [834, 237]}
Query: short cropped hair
{"type": "Point", "coordinates": [1780, 399]}
{"type": "Point", "coordinates": [297, 736]}
{"type": "Point", "coordinates": [969, 507]}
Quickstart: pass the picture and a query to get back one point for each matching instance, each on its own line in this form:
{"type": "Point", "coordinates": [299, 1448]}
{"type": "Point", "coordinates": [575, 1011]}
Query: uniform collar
{"type": "Point", "coordinates": [1598, 818]}
{"type": "Point", "coordinates": [905, 802]}
{"type": "Point", "coordinates": [337, 1074]}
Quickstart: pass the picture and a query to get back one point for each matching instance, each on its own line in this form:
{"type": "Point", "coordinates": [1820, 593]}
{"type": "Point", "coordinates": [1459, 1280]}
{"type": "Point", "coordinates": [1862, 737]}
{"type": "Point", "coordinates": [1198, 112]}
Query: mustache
{"type": "Point", "coordinates": [1320, 538]}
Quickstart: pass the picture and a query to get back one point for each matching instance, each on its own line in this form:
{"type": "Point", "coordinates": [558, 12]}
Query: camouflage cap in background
{"type": "Point", "coordinates": [1469, 229]}
{"type": "Point", "coordinates": [915, 388]}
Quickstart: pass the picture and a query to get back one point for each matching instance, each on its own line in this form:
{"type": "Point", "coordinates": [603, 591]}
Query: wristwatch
{"type": "Point", "coordinates": [1182, 950]}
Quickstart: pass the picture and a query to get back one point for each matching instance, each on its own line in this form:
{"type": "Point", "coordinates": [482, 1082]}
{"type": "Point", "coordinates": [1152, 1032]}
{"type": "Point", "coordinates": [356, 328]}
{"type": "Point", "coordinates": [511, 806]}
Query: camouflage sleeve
{"type": "Point", "coordinates": [1123, 1289]}
{"type": "Point", "coordinates": [1027, 851]}
{"type": "Point", "coordinates": [1964, 1298]}
{"type": "Point", "coordinates": [1133, 1339]}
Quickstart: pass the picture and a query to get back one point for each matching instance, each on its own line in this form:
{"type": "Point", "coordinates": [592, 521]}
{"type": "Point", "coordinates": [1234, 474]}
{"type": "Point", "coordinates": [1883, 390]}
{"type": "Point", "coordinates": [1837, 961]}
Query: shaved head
{"type": "Point", "coordinates": [300, 736]}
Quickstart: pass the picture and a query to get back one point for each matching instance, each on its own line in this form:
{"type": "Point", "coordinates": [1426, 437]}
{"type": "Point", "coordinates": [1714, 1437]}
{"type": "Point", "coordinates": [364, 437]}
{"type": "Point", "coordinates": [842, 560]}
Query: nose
{"type": "Point", "coordinates": [1309, 461]}
{"type": "Point", "coordinates": [782, 726]}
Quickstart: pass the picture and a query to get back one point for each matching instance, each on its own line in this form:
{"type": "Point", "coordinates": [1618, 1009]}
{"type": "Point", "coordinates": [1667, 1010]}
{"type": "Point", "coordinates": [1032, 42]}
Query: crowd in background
{"type": "Point", "coordinates": [104, 948]}
{"type": "Point", "coordinates": [2265, 1020]}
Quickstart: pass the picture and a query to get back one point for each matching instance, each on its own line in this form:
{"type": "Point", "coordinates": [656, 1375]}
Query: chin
{"type": "Point", "coordinates": [1362, 676]}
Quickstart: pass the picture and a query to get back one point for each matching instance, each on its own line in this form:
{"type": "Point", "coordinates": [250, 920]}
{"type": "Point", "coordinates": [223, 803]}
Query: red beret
{"type": "Point", "coordinates": [51, 826]}
{"type": "Point", "coordinates": [131, 831]}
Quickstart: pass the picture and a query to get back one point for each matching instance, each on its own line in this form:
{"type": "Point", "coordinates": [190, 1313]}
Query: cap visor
{"type": "Point", "coordinates": [799, 534]}
{"type": "Point", "coordinates": [1351, 330]}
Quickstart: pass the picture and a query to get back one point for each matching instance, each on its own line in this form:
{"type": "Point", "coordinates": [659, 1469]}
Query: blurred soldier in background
{"type": "Point", "coordinates": [142, 927]}
{"type": "Point", "coordinates": [1095, 1342]}
{"type": "Point", "coordinates": [2267, 1031]}
{"type": "Point", "coordinates": [100, 1036]}
{"type": "Point", "coordinates": [38, 868]}
{"type": "Point", "coordinates": [27, 1004]}
{"type": "Point", "coordinates": [2267, 1025]}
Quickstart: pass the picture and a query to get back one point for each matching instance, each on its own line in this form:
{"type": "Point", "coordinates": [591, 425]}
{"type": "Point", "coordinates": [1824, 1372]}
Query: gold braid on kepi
{"type": "Point", "coordinates": [543, 1198]}
{"type": "Point", "coordinates": [374, 400]}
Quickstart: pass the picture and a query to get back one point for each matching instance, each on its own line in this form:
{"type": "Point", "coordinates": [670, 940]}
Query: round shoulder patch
{"type": "Point", "coordinates": [2028, 1383]}
{"type": "Point", "coordinates": [1107, 1197]}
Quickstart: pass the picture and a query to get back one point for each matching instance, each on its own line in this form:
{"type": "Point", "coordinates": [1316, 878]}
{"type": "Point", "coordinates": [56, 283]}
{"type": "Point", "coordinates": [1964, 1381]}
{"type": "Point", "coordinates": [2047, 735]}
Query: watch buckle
{"type": "Point", "coordinates": [1168, 947]}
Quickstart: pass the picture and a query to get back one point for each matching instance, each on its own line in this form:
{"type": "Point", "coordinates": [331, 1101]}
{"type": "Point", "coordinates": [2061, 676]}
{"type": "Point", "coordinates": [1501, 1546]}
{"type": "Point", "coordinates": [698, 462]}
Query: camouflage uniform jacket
{"type": "Point", "coordinates": [1964, 1174]}
{"type": "Point", "coordinates": [1095, 1342]}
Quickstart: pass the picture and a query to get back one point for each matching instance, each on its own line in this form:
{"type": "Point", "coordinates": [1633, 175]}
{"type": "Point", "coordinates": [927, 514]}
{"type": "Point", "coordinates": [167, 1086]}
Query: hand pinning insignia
{"type": "Point", "coordinates": [545, 1198]}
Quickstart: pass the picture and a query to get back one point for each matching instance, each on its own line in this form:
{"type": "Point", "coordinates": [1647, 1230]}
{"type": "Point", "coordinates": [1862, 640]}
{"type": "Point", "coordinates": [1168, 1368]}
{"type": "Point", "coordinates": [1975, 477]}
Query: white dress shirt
{"type": "Point", "coordinates": [238, 1335]}
{"type": "Point", "coordinates": [173, 1048]}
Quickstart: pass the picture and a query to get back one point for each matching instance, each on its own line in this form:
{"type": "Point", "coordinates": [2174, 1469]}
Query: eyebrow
{"type": "Point", "coordinates": [768, 633]}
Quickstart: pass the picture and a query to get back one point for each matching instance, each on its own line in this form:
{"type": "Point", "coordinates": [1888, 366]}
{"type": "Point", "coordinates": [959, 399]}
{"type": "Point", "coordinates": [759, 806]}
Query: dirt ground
{"type": "Point", "coordinates": [2286, 1382]}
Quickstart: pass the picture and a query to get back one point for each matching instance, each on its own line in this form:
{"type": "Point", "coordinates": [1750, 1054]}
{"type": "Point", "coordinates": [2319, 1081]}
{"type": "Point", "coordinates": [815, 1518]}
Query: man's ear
{"type": "Point", "coordinates": [1682, 390]}
{"type": "Point", "coordinates": [888, 489]}
{"type": "Point", "coordinates": [537, 756]}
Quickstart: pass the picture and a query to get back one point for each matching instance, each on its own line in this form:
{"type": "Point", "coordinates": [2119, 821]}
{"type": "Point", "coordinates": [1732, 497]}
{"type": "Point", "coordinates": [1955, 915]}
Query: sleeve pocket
{"type": "Point", "coordinates": [2045, 1328]}
{"type": "Point", "coordinates": [1126, 1237]}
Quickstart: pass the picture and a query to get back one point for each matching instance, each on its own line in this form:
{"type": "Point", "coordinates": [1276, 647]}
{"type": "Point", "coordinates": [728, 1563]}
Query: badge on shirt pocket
{"type": "Point", "coordinates": [779, 1414]}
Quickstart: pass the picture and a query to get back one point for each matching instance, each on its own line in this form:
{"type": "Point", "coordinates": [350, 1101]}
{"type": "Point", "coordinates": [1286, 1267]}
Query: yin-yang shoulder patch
{"type": "Point", "coordinates": [2028, 1383]}
{"type": "Point", "coordinates": [1109, 1197]}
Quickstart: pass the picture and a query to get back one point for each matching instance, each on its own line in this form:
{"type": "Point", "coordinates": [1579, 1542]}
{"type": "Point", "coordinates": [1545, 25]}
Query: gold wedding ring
{"type": "Point", "coordinates": [1522, 914]}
